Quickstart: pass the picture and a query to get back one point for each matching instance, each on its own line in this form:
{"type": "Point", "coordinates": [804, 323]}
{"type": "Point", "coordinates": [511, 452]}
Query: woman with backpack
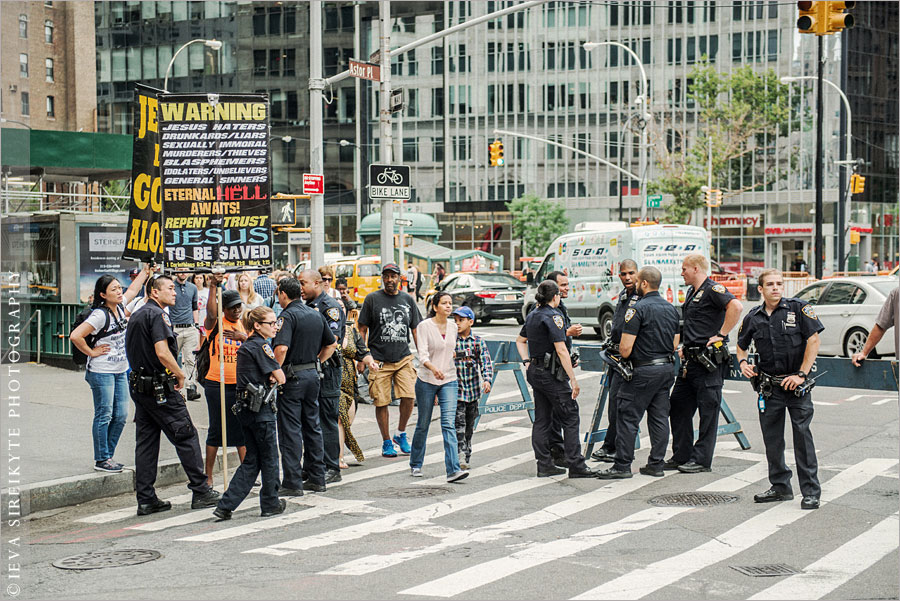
{"type": "Point", "coordinates": [101, 337]}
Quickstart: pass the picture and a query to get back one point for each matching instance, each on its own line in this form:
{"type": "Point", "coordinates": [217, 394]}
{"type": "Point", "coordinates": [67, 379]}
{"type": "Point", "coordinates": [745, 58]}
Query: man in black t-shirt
{"type": "Point", "coordinates": [387, 319]}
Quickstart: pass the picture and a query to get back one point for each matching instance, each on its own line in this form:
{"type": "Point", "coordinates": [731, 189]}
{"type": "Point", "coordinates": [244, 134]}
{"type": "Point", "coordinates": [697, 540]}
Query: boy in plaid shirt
{"type": "Point", "coordinates": [474, 373]}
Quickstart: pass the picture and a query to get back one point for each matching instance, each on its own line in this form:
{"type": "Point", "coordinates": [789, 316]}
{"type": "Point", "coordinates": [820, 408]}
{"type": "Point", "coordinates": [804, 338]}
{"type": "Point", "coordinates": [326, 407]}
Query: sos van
{"type": "Point", "coordinates": [591, 256]}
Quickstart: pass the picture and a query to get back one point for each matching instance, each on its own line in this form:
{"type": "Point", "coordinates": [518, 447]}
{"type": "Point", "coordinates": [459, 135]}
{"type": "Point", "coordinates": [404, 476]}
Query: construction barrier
{"type": "Point", "coordinates": [506, 357]}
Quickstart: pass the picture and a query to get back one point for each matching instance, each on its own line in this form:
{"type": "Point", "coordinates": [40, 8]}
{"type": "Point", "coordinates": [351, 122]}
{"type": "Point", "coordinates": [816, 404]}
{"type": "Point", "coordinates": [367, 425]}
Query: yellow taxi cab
{"type": "Point", "coordinates": [363, 275]}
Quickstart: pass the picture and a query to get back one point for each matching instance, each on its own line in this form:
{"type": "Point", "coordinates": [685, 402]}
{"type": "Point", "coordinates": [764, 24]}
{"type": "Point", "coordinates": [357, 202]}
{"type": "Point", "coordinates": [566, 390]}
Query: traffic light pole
{"type": "Point", "coordinates": [820, 159]}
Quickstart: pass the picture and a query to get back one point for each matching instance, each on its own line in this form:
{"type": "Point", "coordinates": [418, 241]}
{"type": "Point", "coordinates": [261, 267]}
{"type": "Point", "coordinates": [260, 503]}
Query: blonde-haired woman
{"type": "Point", "coordinates": [354, 349]}
{"type": "Point", "coordinates": [249, 296]}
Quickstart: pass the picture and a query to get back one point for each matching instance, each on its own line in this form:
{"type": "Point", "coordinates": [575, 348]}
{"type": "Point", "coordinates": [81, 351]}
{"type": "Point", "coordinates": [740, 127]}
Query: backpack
{"type": "Point", "coordinates": [91, 339]}
{"type": "Point", "coordinates": [201, 355]}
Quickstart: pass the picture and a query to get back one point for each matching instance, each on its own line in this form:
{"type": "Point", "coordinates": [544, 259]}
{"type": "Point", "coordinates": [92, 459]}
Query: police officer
{"type": "Point", "coordinates": [257, 371]}
{"type": "Point", "coordinates": [542, 346]}
{"type": "Point", "coordinates": [557, 448]}
{"type": "Point", "coordinates": [710, 312]}
{"type": "Point", "coordinates": [786, 333]}
{"type": "Point", "coordinates": [330, 386]}
{"type": "Point", "coordinates": [628, 297]}
{"type": "Point", "coordinates": [155, 382]}
{"type": "Point", "coordinates": [303, 341]}
{"type": "Point", "coordinates": [648, 342]}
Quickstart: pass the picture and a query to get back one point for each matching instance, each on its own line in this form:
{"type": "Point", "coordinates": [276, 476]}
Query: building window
{"type": "Point", "coordinates": [51, 106]}
{"type": "Point", "coordinates": [23, 26]}
{"type": "Point", "coordinates": [48, 65]}
{"type": "Point", "coordinates": [259, 63]}
{"type": "Point", "coordinates": [275, 62]}
{"type": "Point", "coordinates": [23, 65]}
{"type": "Point", "coordinates": [26, 109]}
{"type": "Point", "coordinates": [437, 60]}
{"type": "Point", "coordinates": [437, 150]}
{"type": "Point", "coordinates": [437, 102]}
{"type": "Point", "coordinates": [462, 148]}
{"type": "Point", "coordinates": [412, 103]}
{"type": "Point", "coordinates": [289, 68]}
{"type": "Point", "coordinates": [412, 66]}
{"type": "Point", "coordinates": [411, 150]}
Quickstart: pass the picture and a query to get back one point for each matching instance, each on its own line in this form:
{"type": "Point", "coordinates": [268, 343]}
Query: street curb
{"type": "Point", "coordinates": [64, 492]}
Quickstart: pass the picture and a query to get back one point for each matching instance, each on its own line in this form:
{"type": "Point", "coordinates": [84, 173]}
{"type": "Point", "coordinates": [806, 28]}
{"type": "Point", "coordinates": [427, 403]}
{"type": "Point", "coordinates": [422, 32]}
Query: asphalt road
{"type": "Point", "coordinates": [504, 534]}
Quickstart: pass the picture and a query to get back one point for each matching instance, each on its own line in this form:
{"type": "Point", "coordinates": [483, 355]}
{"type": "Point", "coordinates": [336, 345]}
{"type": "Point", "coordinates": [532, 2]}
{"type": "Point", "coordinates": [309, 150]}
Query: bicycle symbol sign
{"type": "Point", "coordinates": [389, 182]}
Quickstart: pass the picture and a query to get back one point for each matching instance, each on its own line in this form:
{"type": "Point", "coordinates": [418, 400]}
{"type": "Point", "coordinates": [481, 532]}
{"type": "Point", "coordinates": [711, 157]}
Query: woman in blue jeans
{"type": "Point", "coordinates": [107, 367]}
{"type": "Point", "coordinates": [436, 340]}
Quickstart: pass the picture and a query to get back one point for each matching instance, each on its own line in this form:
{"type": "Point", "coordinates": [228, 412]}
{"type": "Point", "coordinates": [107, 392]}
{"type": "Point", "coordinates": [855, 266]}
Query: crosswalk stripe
{"type": "Point", "coordinates": [754, 473]}
{"type": "Point", "coordinates": [129, 512]}
{"type": "Point", "coordinates": [407, 519]}
{"type": "Point", "coordinates": [883, 401]}
{"type": "Point", "coordinates": [542, 517]}
{"type": "Point", "coordinates": [644, 581]}
{"type": "Point", "coordinates": [483, 470]}
{"type": "Point", "coordinates": [838, 567]}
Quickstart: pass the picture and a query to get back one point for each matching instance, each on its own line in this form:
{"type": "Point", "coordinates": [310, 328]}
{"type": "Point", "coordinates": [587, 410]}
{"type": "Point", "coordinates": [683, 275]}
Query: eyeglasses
{"type": "Point", "coordinates": [327, 279]}
{"type": "Point", "coordinates": [268, 323]}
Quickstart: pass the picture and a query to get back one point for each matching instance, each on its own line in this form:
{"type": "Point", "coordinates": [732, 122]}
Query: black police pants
{"type": "Point", "coordinates": [772, 424]}
{"type": "Point", "coordinates": [612, 405]}
{"type": "Point", "coordinates": [299, 433]}
{"type": "Point", "coordinates": [700, 391]}
{"type": "Point", "coordinates": [261, 457]}
{"type": "Point", "coordinates": [329, 403]}
{"type": "Point", "coordinates": [553, 397]}
{"type": "Point", "coordinates": [172, 419]}
{"type": "Point", "coordinates": [647, 392]}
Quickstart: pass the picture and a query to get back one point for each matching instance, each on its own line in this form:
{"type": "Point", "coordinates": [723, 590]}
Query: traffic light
{"type": "Point", "coordinates": [857, 184]}
{"type": "Point", "coordinates": [713, 197]}
{"type": "Point", "coordinates": [495, 152]}
{"type": "Point", "coordinates": [810, 21]}
{"type": "Point", "coordinates": [835, 17]}
{"type": "Point", "coordinates": [824, 18]}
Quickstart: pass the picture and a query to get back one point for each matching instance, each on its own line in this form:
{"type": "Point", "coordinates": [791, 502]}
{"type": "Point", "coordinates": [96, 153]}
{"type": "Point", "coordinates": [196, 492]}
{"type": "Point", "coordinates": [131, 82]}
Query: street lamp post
{"type": "Point", "coordinates": [643, 102]}
{"type": "Point", "coordinates": [214, 44]}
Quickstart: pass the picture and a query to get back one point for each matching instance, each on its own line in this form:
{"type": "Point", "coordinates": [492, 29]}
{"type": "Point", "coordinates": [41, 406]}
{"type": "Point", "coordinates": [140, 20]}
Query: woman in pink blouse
{"type": "Point", "coordinates": [436, 340]}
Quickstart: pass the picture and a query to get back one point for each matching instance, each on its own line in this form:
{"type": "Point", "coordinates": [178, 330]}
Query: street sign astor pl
{"type": "Point", "coordinates": [313, 183]}
{"type": "Point", "coordinates": [389, 182]}
{"type": "Point", "coordinates": [363, 70]}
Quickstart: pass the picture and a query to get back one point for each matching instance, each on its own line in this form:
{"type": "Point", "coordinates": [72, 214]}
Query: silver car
{"type": "Point", "coordinates": [848, 307]}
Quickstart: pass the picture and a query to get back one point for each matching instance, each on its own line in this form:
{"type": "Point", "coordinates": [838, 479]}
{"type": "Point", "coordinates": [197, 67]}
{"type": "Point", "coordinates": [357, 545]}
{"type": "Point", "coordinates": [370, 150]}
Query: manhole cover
{"type": "Point", "coordinates": [415, 492]}
{"type": "Point", "coordinates": [107, 559]}
{"type": "Point", "coordinates": [775, 569]}
{"type": "Point", "coordinates": [693, 499]}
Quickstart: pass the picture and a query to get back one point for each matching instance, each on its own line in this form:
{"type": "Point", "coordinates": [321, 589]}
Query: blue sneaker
{"type": "Point", "coordinates": [387, 449]}
{"type": "Point", "coordinates": [403, 442]}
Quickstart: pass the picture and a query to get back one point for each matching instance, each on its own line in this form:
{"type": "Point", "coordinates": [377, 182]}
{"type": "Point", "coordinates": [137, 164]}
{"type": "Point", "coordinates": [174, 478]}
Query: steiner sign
{"type": "Point", "coordinates": [214, 163]}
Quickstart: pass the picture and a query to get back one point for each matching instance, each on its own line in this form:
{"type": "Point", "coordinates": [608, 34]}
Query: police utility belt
{"type": "Point", "coordinates": [154, 384]}
{"type": "Point", "coordinates": [550, 362]}
{"type": "Point", "coordinates": [292, 370]}
{"type": "Point", "coordinates": [765, 384]}
{"type": "Point", "coordinates": [253, 397]}
{"type": "Point", "coordinates": [710, 357]}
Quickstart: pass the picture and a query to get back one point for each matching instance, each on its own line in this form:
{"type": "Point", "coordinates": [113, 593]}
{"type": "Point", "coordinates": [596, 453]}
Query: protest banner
{"type": "Point", "coordinates": [214, 164]}
{"type": "Point", "coordinates": [144, 241]}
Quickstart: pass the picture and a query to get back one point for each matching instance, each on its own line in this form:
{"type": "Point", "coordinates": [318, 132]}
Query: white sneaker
{"type": "Point", "coordinates": [415, 472]}
{"type": "Point", "coordinates": [457, 476]}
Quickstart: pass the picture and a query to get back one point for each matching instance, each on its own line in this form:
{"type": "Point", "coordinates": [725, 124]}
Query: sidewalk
{"type": "Point", "coordinates": [57, 450]}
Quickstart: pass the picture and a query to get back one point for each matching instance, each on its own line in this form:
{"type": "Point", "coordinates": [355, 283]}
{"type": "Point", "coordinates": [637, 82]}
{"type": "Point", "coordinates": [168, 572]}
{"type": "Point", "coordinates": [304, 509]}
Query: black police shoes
{"type": "Point", "coordinates": [222, 514]}
{"type": "Point", "coordinates": [155, 507]}
{"type": "Point", "coordinates": [692, 467]}
{"type": "Point", "coordinates": [772, 496]}
{"type": "Point", "coordinates": [559, 457]}
{"type": "Point", "coordinates": [270, 512]}
{"type": "Point", "coordinates": [614, 474]}
{"type": "Point", "coordinates": [602, 454]}
{"type": "Point", "coordinates": [670, 465]}
{"type": "Point", "coordinates": [313, 487]}
{"type": "Point", "coordinates": [290, 492]}
{"type": "Point", "coordinates": [582, 472]}
{"type": "Point", "coordinates": [652, 471]}
{"type": "Point", "coordinates": [546, 472]}
{"type": "Point", "coordinates": [809, 502]}
{"type": "Point", "coordinates": [332, 475]}
{"type": "Point", "coordinates": [207, 499]}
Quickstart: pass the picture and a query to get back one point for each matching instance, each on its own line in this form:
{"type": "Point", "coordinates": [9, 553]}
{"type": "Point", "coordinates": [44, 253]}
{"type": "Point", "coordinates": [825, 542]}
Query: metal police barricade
{"type": "Point", "coordinates": [838, 372]}
{"type": "Point", "coordinates": [591, 361]}
{"type": "Point", "coordinates": [505, 356]}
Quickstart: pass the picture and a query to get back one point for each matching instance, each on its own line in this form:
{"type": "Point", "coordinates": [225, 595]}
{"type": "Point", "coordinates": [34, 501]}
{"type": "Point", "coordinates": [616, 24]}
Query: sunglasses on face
{"type": "Point", "coordinates": [327, 279]}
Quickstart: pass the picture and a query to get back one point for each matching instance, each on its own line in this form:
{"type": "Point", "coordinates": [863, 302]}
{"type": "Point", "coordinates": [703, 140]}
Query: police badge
{"type": "Point", "coordinates": [558, 320]}
{"type": "Point", "coordinates": [629, 314]}
{"type": "Point", "coordinates": [268, 351]}
{"type": "Point", "coordinates": [334, 314]}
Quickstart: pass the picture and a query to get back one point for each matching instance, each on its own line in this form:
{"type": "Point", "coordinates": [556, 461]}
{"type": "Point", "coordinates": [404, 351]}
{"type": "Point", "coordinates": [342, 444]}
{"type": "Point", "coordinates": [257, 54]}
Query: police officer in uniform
{"type": "Point", "coordinates": [257, 371]}
{"type": "Point", "coordinates": [710, 312]}
{"type": "Point", "coordinates": [648, 342]}
{"type": "Point", "coordinates": [330, 386]}
{"type": "Point", "coordinates": [786, 333]}
{"type": "Point", "coordinates": [628, 297]}
{"type": "Point", "coordinates": [303, 341]}
{"type": "Point", "coordinates": [155, 383]}
{"type": "Point", "coordinates": [542, 345]}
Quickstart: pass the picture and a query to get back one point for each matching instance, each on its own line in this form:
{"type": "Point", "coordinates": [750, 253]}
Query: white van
{"type": "Point", "coordinates": [591, 256]}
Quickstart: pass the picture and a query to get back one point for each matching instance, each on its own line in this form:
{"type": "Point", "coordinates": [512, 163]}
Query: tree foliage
{"type": "Point", "coordinates": [537, 222]}
{"type": "Point", "coordinates": [746, 114]}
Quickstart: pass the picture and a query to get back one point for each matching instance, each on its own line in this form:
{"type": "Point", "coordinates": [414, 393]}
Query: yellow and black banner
{"type": "Point", "coordinates": [144, 237]}
{"type": "Point", "coordinates": [214, 165]}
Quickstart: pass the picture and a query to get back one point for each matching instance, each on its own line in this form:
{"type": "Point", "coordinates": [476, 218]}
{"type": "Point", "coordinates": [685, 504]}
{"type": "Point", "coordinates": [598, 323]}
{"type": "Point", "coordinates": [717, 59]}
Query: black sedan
{"type": "Point", "coordinates": [490, 295]}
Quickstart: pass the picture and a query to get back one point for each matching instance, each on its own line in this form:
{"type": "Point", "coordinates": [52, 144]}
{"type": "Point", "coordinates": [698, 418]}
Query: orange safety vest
{"type": "Point", "coordinates": [230, 354]}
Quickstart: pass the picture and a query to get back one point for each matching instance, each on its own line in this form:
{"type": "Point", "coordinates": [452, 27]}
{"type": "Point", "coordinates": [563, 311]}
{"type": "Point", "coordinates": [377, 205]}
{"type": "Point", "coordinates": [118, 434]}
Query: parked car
{"type": "Point", "coordinates": [848, 307]}
{"type": "Point", "coordinates": [363, 275]}
{"type": "Point", "coordinates": [490, 295]}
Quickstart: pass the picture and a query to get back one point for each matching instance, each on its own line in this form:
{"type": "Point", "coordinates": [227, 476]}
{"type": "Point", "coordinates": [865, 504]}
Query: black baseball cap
{"type": "Point", "coordinates": [391, 267]}
{"type": "Point", "coordinates": [231, 298]}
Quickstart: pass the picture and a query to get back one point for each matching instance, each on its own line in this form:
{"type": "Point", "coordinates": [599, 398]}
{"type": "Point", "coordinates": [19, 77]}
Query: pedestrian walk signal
{"type": "Point", "coordinates": [713, 197]}
{"type": "Point", "coordinates": [857, 184]}
{"type": "Point", "coordinates": [495, 154]}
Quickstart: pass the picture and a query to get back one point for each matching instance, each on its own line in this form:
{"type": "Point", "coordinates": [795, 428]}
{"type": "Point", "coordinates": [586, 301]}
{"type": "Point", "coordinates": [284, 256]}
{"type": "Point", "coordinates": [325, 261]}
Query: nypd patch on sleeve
{"type": "Point", "coordinates": [279, 323]}
{"type": "Point", "coordinates": [558, 320]}
{"type": "Point", "coordinates": [334, 314]}
{"type": "Point", "coordinates": [809, 311]}
{"type": "Point", "coordinates": [719, 288]}
{"type": "Point", "coordinates": [166, 319]}
{"type": "Point", "coordinates": [268, 351]}
{"type": "Point", "coordinates": [629, 314]}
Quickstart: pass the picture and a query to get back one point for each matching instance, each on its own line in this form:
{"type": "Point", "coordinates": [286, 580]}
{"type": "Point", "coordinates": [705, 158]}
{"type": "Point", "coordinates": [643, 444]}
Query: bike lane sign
{"type": "Point", "coordinates": [389, 182]}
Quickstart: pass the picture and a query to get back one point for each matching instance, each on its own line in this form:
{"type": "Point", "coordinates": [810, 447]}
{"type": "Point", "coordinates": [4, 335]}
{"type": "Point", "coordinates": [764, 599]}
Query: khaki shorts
{"type": "Point", "coordinates": [401, 374]}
